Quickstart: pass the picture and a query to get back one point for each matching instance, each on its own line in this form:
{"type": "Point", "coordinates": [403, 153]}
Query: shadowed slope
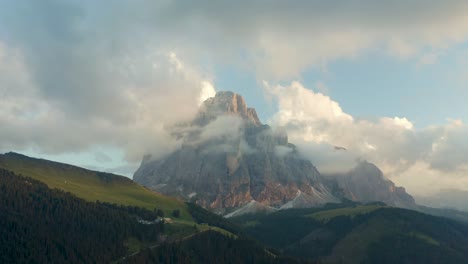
{"type": "Point", "coordinates": [91, 185]}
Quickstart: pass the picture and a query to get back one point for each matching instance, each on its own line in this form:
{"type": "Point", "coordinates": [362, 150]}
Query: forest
{"type": "Point", "coordinates": [42, 225]}
{"type": "Point", "coordinates": [360, 233]}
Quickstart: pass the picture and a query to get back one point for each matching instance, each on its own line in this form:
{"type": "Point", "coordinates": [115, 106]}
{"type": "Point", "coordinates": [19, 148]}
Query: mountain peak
{"type": "Point", "coordinates": [223, 166]}
{"type": "Point", "coordinates": [367, 183]}
{"type": "Point", "coordinates": [226, 103]}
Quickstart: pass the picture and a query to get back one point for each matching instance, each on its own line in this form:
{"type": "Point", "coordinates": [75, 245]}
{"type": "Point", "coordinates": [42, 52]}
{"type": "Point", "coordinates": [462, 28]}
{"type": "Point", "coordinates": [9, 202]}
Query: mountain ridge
{"type": "Point", "coordinates": [246, 161]}
{"type": "Point", "coordinates": [229, 158]}
{"type": "Point", "coordinates": [90, 185]}
{"type": "Point", "coordinates": [367, 183]}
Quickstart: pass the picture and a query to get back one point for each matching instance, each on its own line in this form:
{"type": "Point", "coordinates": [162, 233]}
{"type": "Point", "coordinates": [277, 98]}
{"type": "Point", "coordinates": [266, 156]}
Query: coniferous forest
{"type": "Point", "coordinates": [40, 225]}
{"type": "Point", "coordinates": [43, 225]}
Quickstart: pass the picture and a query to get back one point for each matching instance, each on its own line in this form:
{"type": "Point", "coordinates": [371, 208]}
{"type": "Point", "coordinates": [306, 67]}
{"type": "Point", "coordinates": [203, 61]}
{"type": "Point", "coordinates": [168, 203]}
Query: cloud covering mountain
{"type": "Point", "coordinates": [77, 74]}
{"type": "Point", "coordinates": [316, 123]}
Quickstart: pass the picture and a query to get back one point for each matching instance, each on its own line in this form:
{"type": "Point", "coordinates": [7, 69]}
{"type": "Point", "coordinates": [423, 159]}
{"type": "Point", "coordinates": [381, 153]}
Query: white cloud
{"type": "Point", "coordinates": [401, 48]}
{"type": "Point", "coordinates": [300, 104]}
{"type": "Point", "coordinates": [280, 40]}
{"type": "Point", "coordinates": [316, 124]}
{"type": "Point", "coordinates": [225, 128]}
{"type": "Point", "coordinates": [420, 179]}
{"type": "Point", "coordinates": [282, 151]}
{"type": "Point", "coordinates": [136, 122]}
{"type": "Point", "coordinates": [326, 157]}
{"type": "Point", "coordinates": [78, 73]}
{"type": "Point", "coordinates": [429, 58]}
{"type": "Point", "coordinates": [207, 91]}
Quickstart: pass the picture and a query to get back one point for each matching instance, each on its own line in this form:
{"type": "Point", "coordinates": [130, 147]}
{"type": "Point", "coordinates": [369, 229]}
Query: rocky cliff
{"type": "Point", "coordinates": [229, 159]}
{"type": "Point", "coordinates": [366, 183]}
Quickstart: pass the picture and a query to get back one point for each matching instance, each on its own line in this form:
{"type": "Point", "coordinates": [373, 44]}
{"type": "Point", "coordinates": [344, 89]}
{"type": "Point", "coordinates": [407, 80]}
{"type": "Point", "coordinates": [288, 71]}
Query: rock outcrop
{"type": "Point", "coordinates": [231, 162]}
{"type": "Point", "coordinates": [229, 159]}
{"type": "Point", "coordinates": [366, 183]}
{"type": "Point", "coordinates": [226, 103]}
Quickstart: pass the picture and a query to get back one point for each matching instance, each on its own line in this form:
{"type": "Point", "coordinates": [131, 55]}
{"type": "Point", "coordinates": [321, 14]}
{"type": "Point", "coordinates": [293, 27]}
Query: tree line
{"type": "Point", "coordinates": [43, 225]}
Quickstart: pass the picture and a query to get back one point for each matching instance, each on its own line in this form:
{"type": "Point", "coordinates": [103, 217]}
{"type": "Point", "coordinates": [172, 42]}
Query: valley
{"type": "Point", "coordinates": [324, 234]}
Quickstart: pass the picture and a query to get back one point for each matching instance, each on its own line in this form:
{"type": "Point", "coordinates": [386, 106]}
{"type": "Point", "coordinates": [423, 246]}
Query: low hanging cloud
{"type": "Point", "coordinates": [321, 129]}
{"type": "Point", "coordinates": [74, 74]}
{"type": "Point", "coordinates": [224, 129]}
{"type": "Point", "coordinates": [136, 115]}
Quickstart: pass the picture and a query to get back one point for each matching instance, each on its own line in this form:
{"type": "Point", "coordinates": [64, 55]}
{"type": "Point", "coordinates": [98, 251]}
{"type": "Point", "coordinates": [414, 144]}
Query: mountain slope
{"type": "Point", "coordinates": [212, 247]}
{"type": "Point", "coordinates": [366, 183]}
{"type": "Point", "coordinates": [91, 185]}
{"type": "Point", "coordinates": [373, 233]}
{"type": "Point", "coordinates": [229, 158]}
{"type": "Point", "coordinates": [40, 225]}
{"type": "Point", "coordinates": [43, 225]}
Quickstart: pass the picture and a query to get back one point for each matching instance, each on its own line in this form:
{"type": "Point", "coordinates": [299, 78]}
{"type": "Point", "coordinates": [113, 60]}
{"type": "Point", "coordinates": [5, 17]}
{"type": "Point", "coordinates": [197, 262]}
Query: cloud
{"type": "Point", "coordinates": [277, 41]}
{"type": "Point", "coordinates": [207, 91]}
{"type": "Point", "coordinates": [225, 128]}
{"type": "Point", "coordinates": [280, 40]}
{"type": "Point", "coordinates": [224, 134]}
{"type": "Point", "coordinates": [429, 58]}
{"type": "Point", "coordinates": [74, 74]}
{"type": "Point", "coordinates": [282, 151]}
{"type": "Point", "coordinates": [101, 157]}
{"type": "Point", "coordinates": [449, 148]}
{"type": "Point", "coordinates": [125, 170]}
{"type": "Point", "coordinates": [316, 124]}
{"type": "Point", "coordinates": [135, 116]}
{"type": "Point", "coordinates": [423, 180]}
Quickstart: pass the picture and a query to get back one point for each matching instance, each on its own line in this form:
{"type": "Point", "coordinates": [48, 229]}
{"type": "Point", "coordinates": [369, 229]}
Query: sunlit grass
{"type": "Point", "coordinates": [93, 186]}
{"type": "Point", "coordinates": [348, 211]}
{"type": "Point", "coordinates": [424, 238]}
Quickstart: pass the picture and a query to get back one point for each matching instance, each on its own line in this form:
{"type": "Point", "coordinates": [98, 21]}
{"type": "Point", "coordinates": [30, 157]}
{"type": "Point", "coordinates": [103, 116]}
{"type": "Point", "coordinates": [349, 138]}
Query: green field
{"type": "Point", "coordinates": [92, 185]}
{"type": "Point", "coordinates": [424, 238]}
{"type": "Point", "coordinates": [347, 211]}
{"type": "Point", "coordinates": [365, 233]}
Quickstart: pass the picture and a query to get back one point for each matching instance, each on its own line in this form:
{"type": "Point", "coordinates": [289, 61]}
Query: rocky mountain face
{"type": "Point", "coordinates": [366, 183]}
{"type": "Point", "coordinates": [229, 159]}
{"type": "Point", "coordinates": [226, 103]}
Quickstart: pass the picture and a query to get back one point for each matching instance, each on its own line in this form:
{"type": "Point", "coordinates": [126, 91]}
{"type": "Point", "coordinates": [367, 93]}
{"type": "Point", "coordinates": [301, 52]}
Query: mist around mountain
{"type": "Point", "coordinates": [366, 183]}
{"type": "Point", "coordinates": [448, 198]}
{"type": "Point", "coordinates": [231, 162]}
{"type": "Point", "coordinates": [229, 158]}
{"type": "Point", "coordinates": [277, 206]}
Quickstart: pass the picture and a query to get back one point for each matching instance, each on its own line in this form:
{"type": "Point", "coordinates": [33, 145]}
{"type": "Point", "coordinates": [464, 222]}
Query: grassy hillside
{"type": "Point", "coordinates": [327, 215]}
{"type": "Point", "coordinates": [43, 225]}
{"type": "Point", "coordinates": [92, 185]}
{"type": "Point", "coordinates": [361, 234]}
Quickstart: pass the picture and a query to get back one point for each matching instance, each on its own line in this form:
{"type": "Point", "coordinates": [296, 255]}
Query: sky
{"type": "Point", "coordinates": [97, 83]}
